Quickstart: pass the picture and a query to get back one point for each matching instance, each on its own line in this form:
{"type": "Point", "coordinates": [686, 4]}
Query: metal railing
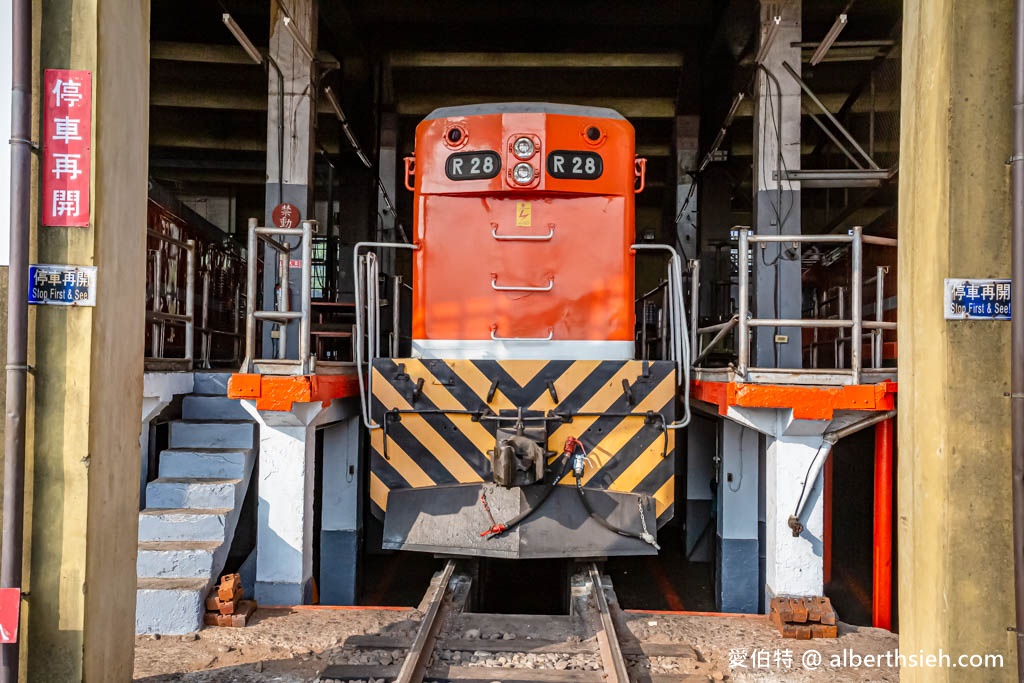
{"type": "Point", "coordinates": [368, 304]}
{"type": "Point", "coordinates": [206, 333]}
{"type": "Point", "coordinates": [280, 314]}
{"type": "Point", "coordinates": [859, 328]}
{"type": "Point", "coordinates": [856, 323]}
{"type": "Point", "coordinates": [679, 338]}
{"type": "Point", "coordinates": [160, 319]}
{"type": "Point", "coordinates": [838, 295]}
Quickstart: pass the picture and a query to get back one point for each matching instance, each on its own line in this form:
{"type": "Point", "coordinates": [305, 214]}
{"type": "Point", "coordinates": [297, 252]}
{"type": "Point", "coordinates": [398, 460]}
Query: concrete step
{"type": "Point", "coordinates": [213, 434]}
{"type": "Point", "coordinates": [211, 383]}
{"type": "Point", "coordinates": [214, 463]}
{"type": "Point", "coordinates": [170, 606]}
{"type": "Point", "coordinates": [176, 559]}
{"type": "Point", "coordinates": [192, 492]}
{"type": "Point", "coordinates": [197, 407]}
{"type": "Point", "coordinates": [183, 524]}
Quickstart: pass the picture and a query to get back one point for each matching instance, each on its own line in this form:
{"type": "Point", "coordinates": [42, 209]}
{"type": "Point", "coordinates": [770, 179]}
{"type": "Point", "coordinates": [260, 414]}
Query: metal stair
{"type": "Point", "coordinates": [192, 510]}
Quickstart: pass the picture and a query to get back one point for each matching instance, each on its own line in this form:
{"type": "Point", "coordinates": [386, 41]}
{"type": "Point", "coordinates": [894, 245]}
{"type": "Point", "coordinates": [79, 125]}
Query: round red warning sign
{"type": "Point", "coordinates": [286, 216]}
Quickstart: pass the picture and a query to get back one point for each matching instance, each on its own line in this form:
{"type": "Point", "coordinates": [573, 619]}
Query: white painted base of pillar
{"type": "Point", "coordinates": [794, 565]}
{"type": "Point", "coordinates": [284, 540]}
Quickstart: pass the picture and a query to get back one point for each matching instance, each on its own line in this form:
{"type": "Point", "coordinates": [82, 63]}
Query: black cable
{"type": "Point", "coordinates": [550, 487]}
{"type": "Point", "coordinates": [807, 475]}
{"type": "Point", "coordinates": [600, 520]}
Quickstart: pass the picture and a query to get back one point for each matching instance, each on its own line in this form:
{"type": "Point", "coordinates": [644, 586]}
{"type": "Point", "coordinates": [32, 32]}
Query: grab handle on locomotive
{"type": "Point", "coordinates": [495, 337]}
{"type": "Point", "coordinates": [520, 288]}
{"type": "Point", "coordinates": [523, 238]}
{"type": "Point", "coordinates": [410, 170]}
{"type": "Point", "coordinates": [640, 171]}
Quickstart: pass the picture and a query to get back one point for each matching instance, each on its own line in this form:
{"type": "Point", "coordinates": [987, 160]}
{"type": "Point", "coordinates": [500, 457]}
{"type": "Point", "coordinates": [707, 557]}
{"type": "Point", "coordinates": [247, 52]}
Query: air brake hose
{"type": "Point", "coordinates": [646, 537]}
{"type": "Point", "coordinates": [501, 529]}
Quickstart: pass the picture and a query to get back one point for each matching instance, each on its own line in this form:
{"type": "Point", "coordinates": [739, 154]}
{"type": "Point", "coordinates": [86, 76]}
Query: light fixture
{"type": "Point", "coordinates": [523, 148]}
{"type": "Point", "coordinates": [523, 173]}
{"type": "Point", "coordinates": [242, 39]}
{"type": "Point", "coordinates": [769, 38]}
{"type": "Point", "coordinates": [830, 37]}
{"type": "Point", "coordinates": [736, 101]}
{"type": "Point", "coordinates": [299, 40]}
{"type": "Point", "coordinates": [333, 101]}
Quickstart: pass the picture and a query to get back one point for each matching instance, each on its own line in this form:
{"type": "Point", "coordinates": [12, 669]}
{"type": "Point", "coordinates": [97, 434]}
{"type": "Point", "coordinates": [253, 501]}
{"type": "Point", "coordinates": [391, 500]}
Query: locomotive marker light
{"type": "Point", "coordinates": [524, 148]}
{"type": "Point", "coordinates": [523, 174]}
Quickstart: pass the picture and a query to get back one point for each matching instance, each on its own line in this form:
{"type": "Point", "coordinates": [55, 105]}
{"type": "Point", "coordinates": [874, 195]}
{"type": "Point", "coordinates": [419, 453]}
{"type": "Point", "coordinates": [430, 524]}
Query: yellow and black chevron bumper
{"type": "Point", "coordinates": [430, 463]}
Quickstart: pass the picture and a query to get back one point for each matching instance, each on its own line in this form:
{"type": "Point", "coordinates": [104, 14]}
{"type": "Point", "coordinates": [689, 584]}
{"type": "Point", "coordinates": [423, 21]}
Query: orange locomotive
{"type": "Point", "coordinates": [521, 426]}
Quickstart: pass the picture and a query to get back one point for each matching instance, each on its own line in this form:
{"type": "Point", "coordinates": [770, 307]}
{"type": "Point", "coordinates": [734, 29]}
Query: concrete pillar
{"type": "Point", "coordinates": [701, 456]}
{"type": "Point", "coordinates": [776, 202]}
{"type": "Point", "coordinates": [341, 518]}
{"type": "Point", "coordinates": [793, 565]}
{"type": "Point", "coordinates": [717, 294]}
{"type": "Point", "coordinates": [85, 394]}
{"type": "Point", "coordinates": [291, 142]}
{"type": "Point", "coordinates": [955, 545]}
{"type": "Point", "coordinates": [388, 169]}
{"type": "Point", "coordinates": [687, 134]}
{"type": "Point", "coordinates": [738, 580]}
{"type": "Point", "coordinates": [286, 466]}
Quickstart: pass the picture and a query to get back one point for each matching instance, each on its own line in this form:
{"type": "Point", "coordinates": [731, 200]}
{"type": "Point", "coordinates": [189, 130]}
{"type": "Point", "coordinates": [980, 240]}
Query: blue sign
{"type": "Point", "coordinates": [62, 285]}
{"type": "Point", "coordinates": [976, 299]}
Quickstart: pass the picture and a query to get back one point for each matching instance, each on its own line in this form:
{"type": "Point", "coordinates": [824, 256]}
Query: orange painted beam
{"type": "Point", "coordinates": [807, 402]}
{"type": "Point", "coordinates": [280, 392]}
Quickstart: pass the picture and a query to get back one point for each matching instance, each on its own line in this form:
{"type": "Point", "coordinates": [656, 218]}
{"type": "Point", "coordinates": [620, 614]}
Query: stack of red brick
{"type": "Point", "coordinates": [225, 606]}
{"type": "Point", "coordinates": [804, 618]}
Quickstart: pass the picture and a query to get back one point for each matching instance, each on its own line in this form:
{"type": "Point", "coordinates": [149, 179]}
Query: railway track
{"type": "Point", "coordinates": [587, 646]}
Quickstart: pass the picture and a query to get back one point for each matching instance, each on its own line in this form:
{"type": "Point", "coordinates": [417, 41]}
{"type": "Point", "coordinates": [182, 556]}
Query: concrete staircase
{"type": "Point", "coordinates": [185, 532]}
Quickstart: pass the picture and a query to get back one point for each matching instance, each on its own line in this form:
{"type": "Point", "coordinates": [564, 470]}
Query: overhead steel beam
{"type": "Point", "coordinates": [630, 107]}
{"type": "Point", "coordinates": [535, 60]}
{"type": "Point", "coordinates": [213, 53]}
{"type": "Point", "coordinates": [210, 177]}
{"type": "Point", "coordinates": [162, 95]}
{"type": "Point", "coordinates": [884, 102]}
{"type": "Point", "coordinates": [198, 52]}
{"type": "Point", "coordinates": [205, 140]}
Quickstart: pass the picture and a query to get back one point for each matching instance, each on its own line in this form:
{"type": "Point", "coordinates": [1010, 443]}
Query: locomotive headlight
{"type": "Point", "coordinates": [523, 173]}
{"type": "Point", "coordinates": [523, 148]}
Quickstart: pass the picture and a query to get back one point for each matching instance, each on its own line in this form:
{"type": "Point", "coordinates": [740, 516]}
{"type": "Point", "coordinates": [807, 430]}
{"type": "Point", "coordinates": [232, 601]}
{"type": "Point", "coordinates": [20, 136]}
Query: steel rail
{"type": "Point", "coordinates": [608, 642]}
{"type": "Point", "coordinates": [414, 668]}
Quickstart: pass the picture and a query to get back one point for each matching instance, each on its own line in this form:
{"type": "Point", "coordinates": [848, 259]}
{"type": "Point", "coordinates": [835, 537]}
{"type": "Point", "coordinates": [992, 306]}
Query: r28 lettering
{"type": "Point", "coordinates": [575, 165]}
{"type": "Point", "coordinates": [472, 165]}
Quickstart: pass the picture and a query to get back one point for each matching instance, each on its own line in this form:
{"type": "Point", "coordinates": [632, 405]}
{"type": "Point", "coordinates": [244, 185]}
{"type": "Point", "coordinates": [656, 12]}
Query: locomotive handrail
{"type": "Point", "coordinates": [495, 337]}
{"type": "Point", "coordinates": [523, 238]}
{"type": "Point", "coordinates": [366, 272]}
{"type": "Point", "coordinates": [520, 288]}
{"type": "Point", "coordinates": [678, 326]}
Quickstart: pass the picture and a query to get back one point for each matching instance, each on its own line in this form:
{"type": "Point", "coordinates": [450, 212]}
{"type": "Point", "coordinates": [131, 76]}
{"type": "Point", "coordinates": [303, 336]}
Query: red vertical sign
{"type": "Point", "coordinates": [67, 147]}
{"type": "Point", "coordinates": [10, 606]}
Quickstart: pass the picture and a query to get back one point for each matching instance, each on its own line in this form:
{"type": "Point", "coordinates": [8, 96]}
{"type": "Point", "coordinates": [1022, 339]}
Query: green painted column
{"type": "Point", "coordinates": [85, 393]}
{"type": "Point", "coordinates": [955, 552]}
